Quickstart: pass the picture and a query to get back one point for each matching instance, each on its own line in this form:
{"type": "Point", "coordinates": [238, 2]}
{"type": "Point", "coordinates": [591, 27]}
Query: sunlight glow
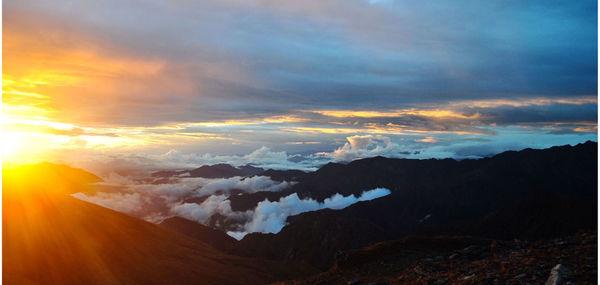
{"type": "Point", "coordinates": [9, 145]}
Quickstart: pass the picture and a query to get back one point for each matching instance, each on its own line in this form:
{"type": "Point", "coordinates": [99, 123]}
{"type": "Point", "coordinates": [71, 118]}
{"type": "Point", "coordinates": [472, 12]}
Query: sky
{"type": "Point", "coordinates": [292, 84]}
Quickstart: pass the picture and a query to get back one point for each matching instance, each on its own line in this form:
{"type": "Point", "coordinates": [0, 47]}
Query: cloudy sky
{"type": "Point", "coordinates": [293, 83]}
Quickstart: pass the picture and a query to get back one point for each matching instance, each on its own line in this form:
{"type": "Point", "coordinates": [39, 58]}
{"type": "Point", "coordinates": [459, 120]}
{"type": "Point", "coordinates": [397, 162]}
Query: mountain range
{"type": "Point", "coordinates": [50, 237]}
{"type": "Point", "coordinates": [529, 195]}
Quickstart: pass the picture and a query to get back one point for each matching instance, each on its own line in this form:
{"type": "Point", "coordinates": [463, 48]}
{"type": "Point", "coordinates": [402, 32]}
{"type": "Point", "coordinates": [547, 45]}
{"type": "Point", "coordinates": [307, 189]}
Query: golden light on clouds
{"type": "Point", "coordinates": [541, 101]}
{"type": "Point", "coordinates": [76, 92]}
{"type": "Point", "coordinates": [56, 96]}
{"type": "Point", "coordinates": [428, 140]}
{"type": "Point", "coordinates": [434, 113]}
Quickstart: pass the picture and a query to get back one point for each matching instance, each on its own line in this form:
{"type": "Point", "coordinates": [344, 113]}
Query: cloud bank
{"type": "Point", "coordinates": [366, 146]}
{"type": "Point", "coordinates": [270, 217]}
{"type": "Point", "coordinates": [206, 201]}
{"type": "Point", "coordinates": [145, 198]}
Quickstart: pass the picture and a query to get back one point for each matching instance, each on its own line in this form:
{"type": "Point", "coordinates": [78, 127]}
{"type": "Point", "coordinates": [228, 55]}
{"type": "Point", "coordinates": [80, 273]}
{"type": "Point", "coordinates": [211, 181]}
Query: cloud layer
{"type": "Point", "coordinates": [206, 201]}
{"type": "Point", "coordinates": [270, 217]}
{"type": "Point", "coordinates": [153, 200]}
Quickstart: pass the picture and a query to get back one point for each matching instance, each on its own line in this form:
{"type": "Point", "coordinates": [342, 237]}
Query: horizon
{"type": "Point", "coordinates": [316, 167]}
{"type": "Point", "coordinates": [295, 84]}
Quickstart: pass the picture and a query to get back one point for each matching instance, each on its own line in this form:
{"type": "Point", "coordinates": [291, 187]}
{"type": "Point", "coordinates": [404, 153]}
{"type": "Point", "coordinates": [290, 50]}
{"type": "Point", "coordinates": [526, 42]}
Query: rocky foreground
{"type": "Point", "coordinates": [466, 260]}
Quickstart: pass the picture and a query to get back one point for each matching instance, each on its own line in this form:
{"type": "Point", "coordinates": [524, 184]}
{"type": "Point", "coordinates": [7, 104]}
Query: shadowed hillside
{"type": "Point", "coordinates": [212, 237]}
{"type": "Point", "coordinates": [52, 238]}
{"type": "Point", "coordinates": [528, 194]}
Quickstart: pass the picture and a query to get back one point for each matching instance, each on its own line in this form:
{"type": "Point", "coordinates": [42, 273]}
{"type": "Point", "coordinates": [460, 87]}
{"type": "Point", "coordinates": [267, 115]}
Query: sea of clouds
{"type": "Point", "coordinates": [199, 199]}
{"type": "Point", "coordinates": [270, 217]}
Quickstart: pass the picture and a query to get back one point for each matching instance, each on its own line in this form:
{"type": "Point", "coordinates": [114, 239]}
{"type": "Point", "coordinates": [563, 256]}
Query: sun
{"type": "Point", "coordinates": [10, 144]}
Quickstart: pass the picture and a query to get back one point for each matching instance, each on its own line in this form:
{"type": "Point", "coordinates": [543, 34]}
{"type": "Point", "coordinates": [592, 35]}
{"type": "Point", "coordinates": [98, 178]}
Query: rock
{"type": "Point", "coordinates": [354, 281]}
{"type": "Point", "coordinates": [419, 271]}
{"type": "Point", "coordinates": [556, 273]}
{"type": "Point", "coordinates": [522, 275]}
{"type": "Point", "coordinates": [453, 256]}
{"type": "Point", "coordinates": [469, 249]}
{"type": "Point", "coordinates": [467, 277]}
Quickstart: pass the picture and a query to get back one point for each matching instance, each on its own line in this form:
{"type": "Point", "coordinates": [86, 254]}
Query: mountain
{"type": "Point", "coordinates": [284, 175]}
{"type": "Point", "coordinates": [249, 170]}
{"type": "Point", "coordinates": [44, 179]}
{"type": "Point", "coordinates": [208, 235]}
{"type": "Point", "coordinates": [222, 171]}
{"type": "Point", "coordinates": [529, 194]}
{"type": "Point", "coordinates": [50, 237]}
{"type": "Point", "coordinates": [444, 221]}
{"type": "Point", "coordinates": [212, 171]}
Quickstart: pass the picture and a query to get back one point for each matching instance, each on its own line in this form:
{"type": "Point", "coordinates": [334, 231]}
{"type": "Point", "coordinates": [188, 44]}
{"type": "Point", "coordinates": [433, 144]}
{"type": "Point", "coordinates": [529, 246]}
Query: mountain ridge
{"type": "Point", "coordinates": [510, 195]}
{"type": "Point", "coordinates": [50, 237]}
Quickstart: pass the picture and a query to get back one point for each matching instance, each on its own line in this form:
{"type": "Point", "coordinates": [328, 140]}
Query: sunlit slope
{"type": "Point", "coordinates": [44, 179]}
{"type": "Point", "coordinates": [52, 238]}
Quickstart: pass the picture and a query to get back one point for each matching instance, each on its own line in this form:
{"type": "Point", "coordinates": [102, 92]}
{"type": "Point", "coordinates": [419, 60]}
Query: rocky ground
{"type": "Point", "coordinates": [444, 260]}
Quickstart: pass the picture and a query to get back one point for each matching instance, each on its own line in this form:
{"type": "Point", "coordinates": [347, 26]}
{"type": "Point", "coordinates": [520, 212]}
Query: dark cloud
{"type": "Point", "coordinates": [264, 57]}
{"type": "Point", "coordinates": [221, 79]}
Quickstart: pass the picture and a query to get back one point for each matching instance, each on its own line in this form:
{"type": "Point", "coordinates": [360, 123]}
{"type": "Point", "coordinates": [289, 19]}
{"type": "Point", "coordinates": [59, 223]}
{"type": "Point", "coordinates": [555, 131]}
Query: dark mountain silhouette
{"type": "Point", "coordinates": [208, 235]}
{"type": "Point", "coordinates": [169, 173]}
{"type": "Point", "coordinates": [284, 175]}
{"type": "Point", "coordinates": [249, 170]}
{"type": "Point", "coordinates": [250, 200]}
{"type": "Point", "coordinates": [528, 194]}
{"type": "Point", "coordinates": [52, 238]}
{"type": "Point", "coordinates": [213, 171]}
{"type": "Point", "coordinates": [531, 195]}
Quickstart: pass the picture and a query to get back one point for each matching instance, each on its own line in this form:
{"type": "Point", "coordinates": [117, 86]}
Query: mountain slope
{"type": "Point", "coordinates": [208, 235]}
{"type": "Point", "coordinates": [464, 260]}
{"type": "Point", "coordinates": [221, 170]}
{"type": "Point", "coordinates": [52, 238]}
{"type": "Point", "coordinates": [529, 194]}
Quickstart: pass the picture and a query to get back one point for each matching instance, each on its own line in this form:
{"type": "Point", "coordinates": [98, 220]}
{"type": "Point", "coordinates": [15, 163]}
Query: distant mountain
{"type": "Point", "coordinates": [208, 235]}
{"type": "Point", "coordinates": [528, 194]}
{"type": "Point", "coordinates": [249, 170]}
{"type": "Point", "coordinates": [216, 171]}
{"type": "Point", "coordinates": [169, 173]}
{"type": "Point", "coordinates": [52, 238]}
{"type": "Point", "coordinates": [212, 171]}
{"type": "Point", "coordinates": [284, 175]}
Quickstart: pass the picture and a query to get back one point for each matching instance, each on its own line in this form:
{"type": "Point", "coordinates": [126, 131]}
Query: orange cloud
{"type": "Point", "coordinates": [428, 140]}
{"type": "Point", "coordinates": [434, 113]}
{"type": "Point", "coordinates": [84, 83]}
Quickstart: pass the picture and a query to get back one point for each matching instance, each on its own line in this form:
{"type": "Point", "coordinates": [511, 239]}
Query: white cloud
{"type": "Point", "coordinates": [201, 213]}
{"type": "Point", "coordinates": [365, 146]}
{"type": "Point", "coordinates": [249, 185]}
{"type": "Point", "coordinates": [154, 202]}
{"type": "Point", "coordinates": [262, 157]}
{"type": "Point", "coordinates": [270, 217]}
